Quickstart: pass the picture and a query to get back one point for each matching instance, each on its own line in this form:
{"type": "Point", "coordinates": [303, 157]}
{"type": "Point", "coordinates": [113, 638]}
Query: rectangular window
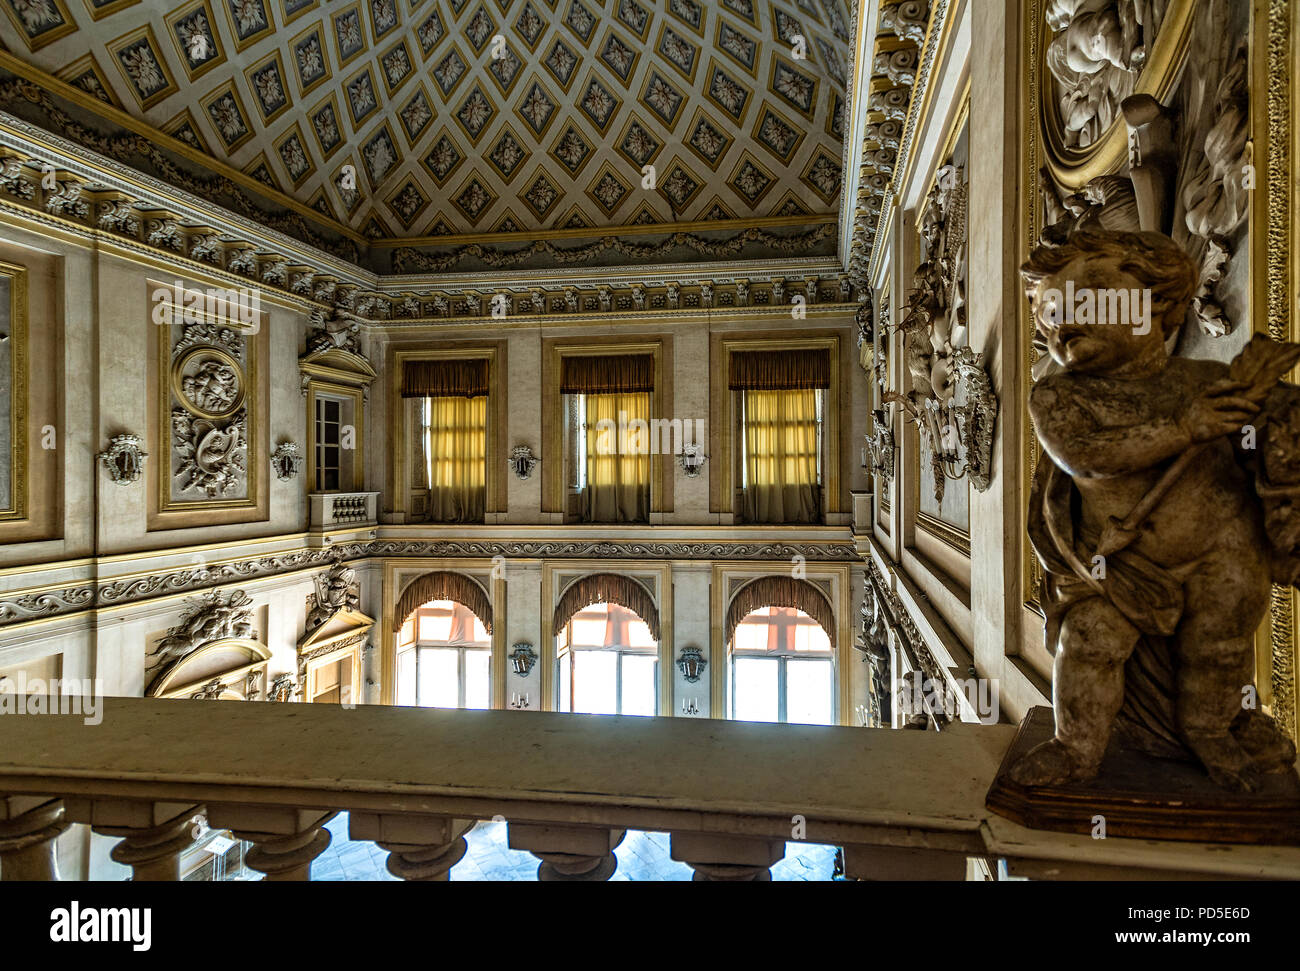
{"type": "Point", "coordinates": [780, 398]}
{"type": "Point", "coordinates": [448, 451]}
{"type": "Point", "coordinates": [329, 422]}
{"type": "Point", "coordinates": [455, 458]}
{"type": "Point", "coordinates": [614, 458]}
{"type": "Point", "coordinates": [607, 405]}
{"type": "Point", "coordinates": [781, 455]}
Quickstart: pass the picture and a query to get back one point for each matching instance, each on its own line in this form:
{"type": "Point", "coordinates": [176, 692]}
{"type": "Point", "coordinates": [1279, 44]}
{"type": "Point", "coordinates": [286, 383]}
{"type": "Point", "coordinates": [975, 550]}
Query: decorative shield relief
{"type": "Point", "coordinates": [124, 458]}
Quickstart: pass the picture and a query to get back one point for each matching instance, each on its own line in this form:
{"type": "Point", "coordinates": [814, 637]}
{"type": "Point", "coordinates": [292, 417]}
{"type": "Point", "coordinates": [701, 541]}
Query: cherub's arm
{"type": "Point", "coordinates": [1081, 445]}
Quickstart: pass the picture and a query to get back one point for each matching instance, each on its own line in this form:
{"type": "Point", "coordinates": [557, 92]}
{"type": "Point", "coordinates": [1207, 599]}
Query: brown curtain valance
{"type": "Point", "coordinates": [443, 586]}
{"type": "Point", "coordinates": [610, 588]}
{"type": "Point", "coordinates": [781, 591]}
{"type": "Point", "coordinates": [779, 370]}
{"type": "Point", "coordinates": [610, 374]}
{"type": "Point", "coordinates": [458, 378]}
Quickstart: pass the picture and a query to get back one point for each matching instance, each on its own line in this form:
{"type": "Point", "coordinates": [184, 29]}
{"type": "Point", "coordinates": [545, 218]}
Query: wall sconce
{"type": "Point", "coordinates": [286, 461]}
{"type": "Point", "coordinates": [692, 459]}
{"type": "Point", "coordinates": [523, 657]}
{"type": "Point", "coordinates": [124, 458]}
{"type": "Point", "coordinates": [692, 663]}
{"type": "Point", "coordinates": [690, 706]}
{"type": "Point", "coordinates": [519, 702]}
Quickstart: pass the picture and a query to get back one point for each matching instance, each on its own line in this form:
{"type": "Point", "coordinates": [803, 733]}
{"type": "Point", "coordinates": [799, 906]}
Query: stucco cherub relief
{"type": "Point", "coordinates": [1166, 502]}
{"type": "Point", "coordinates": [1097, 49]}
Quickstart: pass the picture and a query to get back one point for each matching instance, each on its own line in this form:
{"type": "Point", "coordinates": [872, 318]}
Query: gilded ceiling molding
{"type": "Point", "coordinates": [408, 259]}
{"type": "Point", "coordinates": [900, 77]}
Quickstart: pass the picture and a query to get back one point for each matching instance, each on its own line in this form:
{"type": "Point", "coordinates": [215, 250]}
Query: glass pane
{"type": "Point", "coordinates": [562, 702]}
{"type": "Point", "coordinates": [810, 636]}
{"type": "Point", "coordinates": [639, 684]}
{"type": "Point", "coordinates": [589, 632]}
{"type": "Point", "coordinates": [434, 627]}
{"type": "Point", "coordinates": [477, 664]}
{"type": "Point", "coordinates": [808, 692]}
{"type": "Point", "coordinates": [439, 678]}
{"type": "Point", "coordinates": [406, 678]}
{"type": "Point", "coordinates": [596, 683]}
{"type": "Point", "coordinates": [756, 689]}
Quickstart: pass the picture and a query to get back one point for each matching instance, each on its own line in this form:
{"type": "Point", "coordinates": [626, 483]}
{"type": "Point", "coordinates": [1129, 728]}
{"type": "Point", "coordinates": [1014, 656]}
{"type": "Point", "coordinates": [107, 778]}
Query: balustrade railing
{"type": "Point", "coordinates": [903, 805]}
{"type": "Point", "coordinates": [342, 510]}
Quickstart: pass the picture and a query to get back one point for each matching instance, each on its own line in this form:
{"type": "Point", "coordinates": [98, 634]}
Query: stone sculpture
{"type": "Point", "coordinates": [336, 589]}
{"type": "Point", "coordinates": [1164, 504]}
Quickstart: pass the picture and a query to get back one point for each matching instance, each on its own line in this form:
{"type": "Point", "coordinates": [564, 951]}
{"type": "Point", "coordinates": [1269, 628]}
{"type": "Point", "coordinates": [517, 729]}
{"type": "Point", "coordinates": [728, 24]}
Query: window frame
{"type": "Point", "coordinates": [725, 435]}
{"type": "Point", "coordinates": [782, 659]}
{"type": "Point", "coordinates": [569, 651]}
{"type": "Point", "coordinates": [556, 475]}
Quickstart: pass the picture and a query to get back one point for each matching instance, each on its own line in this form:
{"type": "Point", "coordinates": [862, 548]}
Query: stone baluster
{"type": "Point", "coordinates": [285, 841]}
{"type": "Point", "coordinates": [419, 847]}
{"type": "Point", "coordinates": [29, 825]}
{"type": "Point", "coordinates": [153, 834]}
{"type": "Point", "coordinates": [568, 852]}
{"type": "Point", "coordinates": [716, 857]}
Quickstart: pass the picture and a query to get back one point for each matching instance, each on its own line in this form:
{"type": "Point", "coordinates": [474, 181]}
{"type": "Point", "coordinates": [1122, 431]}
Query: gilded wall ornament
{"type": "Point", "coordinates": [691, 662]}
{"type": "Point", "coordinates": [522, 658]}
{"type": "Point", "coordinates": [692, 459]}
{"type": "Point", "coordinates": [124, 458]}
{"type": "Point", "coordinates": [286, 461]}
{"type": "Point", "coordinates": [522, 461]}
{"type": "Point", "coordinates": [951, 399]}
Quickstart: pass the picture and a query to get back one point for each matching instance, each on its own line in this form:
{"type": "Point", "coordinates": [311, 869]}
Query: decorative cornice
{"type": "Point", "coordinates": [408, 259]}
{"type": "Point", "coordinates": [901, 74]}
{"type": "Point", "coordinates": [24, 607]}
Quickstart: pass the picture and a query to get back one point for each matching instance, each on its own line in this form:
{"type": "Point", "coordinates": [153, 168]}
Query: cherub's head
{"type": "Point", "coordinates": [1124, 295]}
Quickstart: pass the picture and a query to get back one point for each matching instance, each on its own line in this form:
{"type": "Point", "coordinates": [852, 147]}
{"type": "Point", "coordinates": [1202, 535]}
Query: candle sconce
{"type": "Point", "coordinates": [523, 657]}
{"type": "Point", "coordinates": [519, 702]}
{"type": "Point", "coordinates": [690, 706]}
{"type": "Point", "coordinates": [692, 663]}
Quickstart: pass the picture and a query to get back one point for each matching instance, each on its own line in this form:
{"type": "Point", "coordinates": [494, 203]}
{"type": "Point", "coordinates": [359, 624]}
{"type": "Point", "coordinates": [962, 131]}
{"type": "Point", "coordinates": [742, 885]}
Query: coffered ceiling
{"type": "Point", "coordinates": [479, 117]}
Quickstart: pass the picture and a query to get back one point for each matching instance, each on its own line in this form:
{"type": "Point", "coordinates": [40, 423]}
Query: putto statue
{"type": "Point", "coordinates": [1166, 501]}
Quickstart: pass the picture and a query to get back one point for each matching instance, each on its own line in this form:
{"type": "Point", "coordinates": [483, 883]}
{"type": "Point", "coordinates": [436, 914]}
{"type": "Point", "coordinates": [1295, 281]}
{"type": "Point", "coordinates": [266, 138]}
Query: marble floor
{"type": "Point", "coordinates": [641, 856]}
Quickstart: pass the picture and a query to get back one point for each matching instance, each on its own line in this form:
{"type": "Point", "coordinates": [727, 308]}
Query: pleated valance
{"type": "Point", "coordinates": [779, 370]}
{"type": "Point", "coordinates": [780, 591]}
{"type": "Point", "coordinates": [610, 588]}
{"type": "Point", "coordinates": [457, 378]}
{"type": "Point", "coordinates": [443, 586]}
{"type": "Point", "coordinates": [613, 374]}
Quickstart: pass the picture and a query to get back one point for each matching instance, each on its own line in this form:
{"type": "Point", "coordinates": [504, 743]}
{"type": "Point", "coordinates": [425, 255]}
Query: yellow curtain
{"type": "Point", "coordinates": [618, 458]}
{"type": "Point", "coordinates": [456, 456]}
{"type": "Point", "coordinates": [781, 457]}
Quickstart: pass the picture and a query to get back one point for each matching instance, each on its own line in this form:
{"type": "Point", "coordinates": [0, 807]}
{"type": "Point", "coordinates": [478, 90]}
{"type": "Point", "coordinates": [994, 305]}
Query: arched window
{"type": "Point", "coordinates": [608, 663]}
{"type": "Point", "coordinates": [444, 656]}
{"type": "Point", "coordinates": [782, 668]}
